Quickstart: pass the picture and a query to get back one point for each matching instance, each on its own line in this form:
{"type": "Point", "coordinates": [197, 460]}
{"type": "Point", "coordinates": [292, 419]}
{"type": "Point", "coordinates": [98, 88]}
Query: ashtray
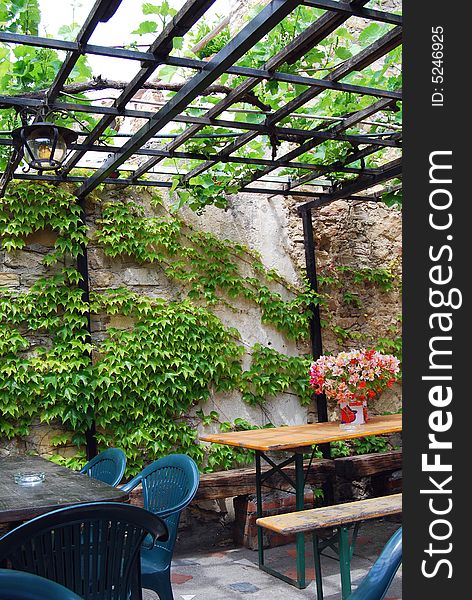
{"type": "Point", "coordinates": [29, 478]}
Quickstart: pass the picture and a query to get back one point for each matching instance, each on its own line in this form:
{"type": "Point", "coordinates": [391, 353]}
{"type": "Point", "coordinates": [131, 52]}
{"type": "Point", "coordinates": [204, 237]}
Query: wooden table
{"type": "Point", "coordinates": [61, 487]}
{"type": "Point", "coordinates": [296, 439]}
{"type": "Point", "coordinates": [299, 436]}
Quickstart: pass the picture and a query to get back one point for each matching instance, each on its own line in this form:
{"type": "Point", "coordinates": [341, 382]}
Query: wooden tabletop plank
{"type": "Point", "coordinates": [61, 487]}
{"type": "Point", "coordinates": [299, 436]}
{"type": "Point", "coordinates": [333, 516]}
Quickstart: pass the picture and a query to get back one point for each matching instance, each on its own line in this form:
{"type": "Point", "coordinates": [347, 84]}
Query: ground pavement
{"type": "Point", "coordinates": [232, 573]}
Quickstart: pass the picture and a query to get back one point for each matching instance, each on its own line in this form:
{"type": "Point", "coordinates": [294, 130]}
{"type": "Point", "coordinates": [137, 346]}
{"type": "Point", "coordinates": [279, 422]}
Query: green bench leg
{"type": "Point", "coordinates": [300, 505]}
{"type": "Point", "coordinates": [317, 560]}
{"type": "Point", "coordinates": [344, 561]}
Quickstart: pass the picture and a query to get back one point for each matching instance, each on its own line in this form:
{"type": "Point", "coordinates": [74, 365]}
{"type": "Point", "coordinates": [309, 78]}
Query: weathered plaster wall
{"type": "Point", "coordinates": [262, 226]}
{"type": "Point", "coordinates": [362, 235]}
{"type": "Point", "coordinates": [357, 235]}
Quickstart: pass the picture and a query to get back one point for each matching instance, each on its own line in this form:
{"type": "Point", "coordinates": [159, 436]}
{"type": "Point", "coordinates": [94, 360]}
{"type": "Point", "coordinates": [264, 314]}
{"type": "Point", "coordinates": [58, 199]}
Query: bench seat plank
{"type": "Point", "coordinates": [333, 516]}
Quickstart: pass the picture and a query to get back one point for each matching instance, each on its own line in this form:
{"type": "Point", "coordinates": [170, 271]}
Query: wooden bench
{"type": "Point", "coordinates": [365, 465]}
{"type": "Point", "coordinates": [383, 470]}
{"type": "Point", "coordinates": [242, 482]}
{"type": "Point", "coordinates": [339, 516]}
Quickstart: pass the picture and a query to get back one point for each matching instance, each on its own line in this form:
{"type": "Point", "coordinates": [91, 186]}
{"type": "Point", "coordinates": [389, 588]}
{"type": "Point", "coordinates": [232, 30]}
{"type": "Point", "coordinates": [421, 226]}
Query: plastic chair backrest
{"type": "Point", "coordinates": [169, 485]}
{"type": "Point", "coordinates": [375, 584]}
{"type": "Point", "coordinates": [108, 466]}
{"type": "Point", "coordinates": [92, 549]}
{"type": "Point", "coordinates": [18, 585]}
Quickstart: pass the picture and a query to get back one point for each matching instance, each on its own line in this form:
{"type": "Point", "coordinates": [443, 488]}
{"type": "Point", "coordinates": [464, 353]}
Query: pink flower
{"type": "Point", "coordinates": [342, 377]}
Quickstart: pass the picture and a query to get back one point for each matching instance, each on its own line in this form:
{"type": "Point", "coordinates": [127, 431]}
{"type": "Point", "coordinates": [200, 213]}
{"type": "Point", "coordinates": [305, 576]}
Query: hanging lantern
{"type": "Point", "coordinates": [45, 145]}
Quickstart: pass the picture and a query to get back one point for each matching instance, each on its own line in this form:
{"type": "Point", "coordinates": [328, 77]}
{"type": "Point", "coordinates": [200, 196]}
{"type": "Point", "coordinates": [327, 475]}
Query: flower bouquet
{"type": "Point", "coordinates": [351, 378]}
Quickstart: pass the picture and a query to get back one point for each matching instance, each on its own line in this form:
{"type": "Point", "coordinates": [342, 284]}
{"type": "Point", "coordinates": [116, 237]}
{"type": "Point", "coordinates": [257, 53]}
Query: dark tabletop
{"type": "Point", "coordinates": [61, 487]}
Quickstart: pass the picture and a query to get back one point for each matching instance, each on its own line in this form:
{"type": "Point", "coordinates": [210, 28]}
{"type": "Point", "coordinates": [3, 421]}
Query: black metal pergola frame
{"type": "Point", "coordinates": [159, 53]}
{"type": "Point", "coordinates": [205, 74]}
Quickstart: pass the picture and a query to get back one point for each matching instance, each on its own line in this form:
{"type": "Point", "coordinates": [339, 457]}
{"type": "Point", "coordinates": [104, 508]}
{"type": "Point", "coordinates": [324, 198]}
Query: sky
{"type": "Point", "coordinates": [116, 32]}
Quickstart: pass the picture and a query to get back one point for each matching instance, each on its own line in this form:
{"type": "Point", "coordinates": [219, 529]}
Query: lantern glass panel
{"type": "Point", "coordinates": [40, 142]}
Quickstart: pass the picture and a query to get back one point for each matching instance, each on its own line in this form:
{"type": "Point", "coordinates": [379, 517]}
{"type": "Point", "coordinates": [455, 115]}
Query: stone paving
{"type": "Point", "coordinates": [232, 573]}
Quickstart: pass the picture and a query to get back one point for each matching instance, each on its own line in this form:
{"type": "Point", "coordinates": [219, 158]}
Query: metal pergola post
{"type": "Point", "coordinates": [315, 333]}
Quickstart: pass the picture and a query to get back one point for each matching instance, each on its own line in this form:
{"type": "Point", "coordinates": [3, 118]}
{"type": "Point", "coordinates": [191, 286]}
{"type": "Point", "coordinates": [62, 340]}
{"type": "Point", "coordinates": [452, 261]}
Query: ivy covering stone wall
{"type": "Point", "coordinates": [189, 329]}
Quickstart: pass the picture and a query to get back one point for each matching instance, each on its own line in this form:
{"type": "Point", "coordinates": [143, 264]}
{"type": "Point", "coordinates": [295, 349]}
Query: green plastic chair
{"type": "Point", "coordinates": [91, 549]}
{"type": "Point", "coordinates": [375, 584]}
{"type": "Point", "coordinates": [18, 585]}
{"type": "Point", "coordinates": [108, 466]}
{"type": "Point", "coordinates": [169, 485]}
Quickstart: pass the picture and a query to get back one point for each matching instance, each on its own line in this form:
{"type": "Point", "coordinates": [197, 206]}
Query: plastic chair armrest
{"type": "Point", "coordinates": [127, 487]}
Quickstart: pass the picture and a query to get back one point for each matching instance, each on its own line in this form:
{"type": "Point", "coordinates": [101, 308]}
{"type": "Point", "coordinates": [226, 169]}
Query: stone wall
{"type": "Point", "coordinates": [346, 234]}
{"type": "Point", "coordinates": [248, 221]}
{"type": "Point", "coordinates": [362, 235]}
{"type": "Point", "coordinates": [356, 235]}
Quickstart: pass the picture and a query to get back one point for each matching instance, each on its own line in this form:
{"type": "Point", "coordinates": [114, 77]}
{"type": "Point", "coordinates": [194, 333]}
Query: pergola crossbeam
{"type": "Point", "coordinates": [167, 184]}
{"type": "Point", "coordinates": [358, 62]}
{"type": "Point", "coordinates": [365, 13]}
{"type": "Point", "coordinates": [319, 169]}
{"type": "Point", "coordinates": [101, 11]}
{"type": "Point", "coordinates": [151, 59]}
{"type": "Point", "coordinates": [312, 35]}
{"type": "Point", "coordinates": [337, 130]}
{"type": "Point", "coordinates": [389, 171]}
{"type": "Point", "coordinates": [162, 46]}
{"type": "Point", "coordinates": [269, 16]}
{"type": "Point", "coordinates": [334, 167]}
{"type": "Point", "coordinates": [288, 133]}
{"type": "Point", "coordinates": [347, 130]}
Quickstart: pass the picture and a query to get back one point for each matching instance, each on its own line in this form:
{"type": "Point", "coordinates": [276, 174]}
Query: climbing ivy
{"type": "Point", "coordinates": [142, 380]}
{"type": "Point", "coordinates": [30, 207]}
{"type": "Point", "coordinates": [145, 377]}
{"type": "Point", "coordinates": [272, 373]}
{"type": "Point", "coordinates": [48, 380]}
{"type": "Point", "coordinates": [211, 269]}
{"type": "Point", "coordinates": [385, 278]}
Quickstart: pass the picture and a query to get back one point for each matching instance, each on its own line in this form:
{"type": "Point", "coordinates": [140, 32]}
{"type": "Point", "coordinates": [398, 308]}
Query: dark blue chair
{"type": "Point", "coordinates": [91, 549]}
{"type": "Point", "coordinates": [18, 585]}
{"type": "Point", "coordinates": [375, 584]}
{"type": "Point", "coordinates": [169, 485]}
{"type": "Point", "coordinates": [108, 466]}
